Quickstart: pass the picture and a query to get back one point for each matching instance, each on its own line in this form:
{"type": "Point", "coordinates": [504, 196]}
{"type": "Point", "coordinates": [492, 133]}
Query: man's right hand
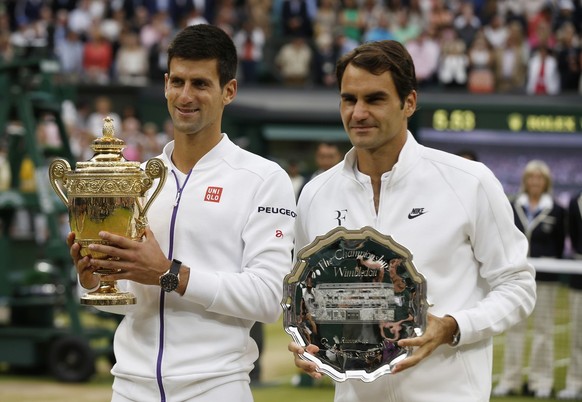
{"type": "Point", "coordinates": [305, 365]}
{"type": "Point", "coordinates": [86, 272]}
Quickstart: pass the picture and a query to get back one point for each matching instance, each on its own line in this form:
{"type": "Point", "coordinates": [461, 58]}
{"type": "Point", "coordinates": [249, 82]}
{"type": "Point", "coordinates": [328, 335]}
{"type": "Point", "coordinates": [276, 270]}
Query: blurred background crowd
{"type": "Point", "coordinates": [478, 46]}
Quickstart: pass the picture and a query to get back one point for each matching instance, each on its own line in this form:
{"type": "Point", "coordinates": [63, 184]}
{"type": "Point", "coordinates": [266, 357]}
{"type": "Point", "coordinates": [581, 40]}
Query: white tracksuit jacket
{"type": "Point", "coordinates": [454, 217]}
{"type": "Point", "coordinates": [233, 227]}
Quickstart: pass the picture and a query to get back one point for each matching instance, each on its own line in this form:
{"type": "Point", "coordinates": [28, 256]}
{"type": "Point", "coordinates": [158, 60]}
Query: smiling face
{"type": "Point", "coordinates": [195, 98]}
{"type": "Point", "coordinates": [372, 113]}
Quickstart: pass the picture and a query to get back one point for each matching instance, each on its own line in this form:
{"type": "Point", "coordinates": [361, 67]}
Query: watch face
{"type": "Point", "coordinates": [169, 282]}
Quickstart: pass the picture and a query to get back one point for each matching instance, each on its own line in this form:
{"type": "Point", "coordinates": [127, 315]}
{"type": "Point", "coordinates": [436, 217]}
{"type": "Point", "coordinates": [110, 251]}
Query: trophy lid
{"type": "Point", "coordinates": [108, 154]}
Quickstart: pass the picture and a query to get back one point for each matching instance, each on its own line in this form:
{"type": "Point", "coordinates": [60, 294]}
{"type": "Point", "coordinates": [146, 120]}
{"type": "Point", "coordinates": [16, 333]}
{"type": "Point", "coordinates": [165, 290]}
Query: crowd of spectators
{"type": "Point", "coordinates": [516, 46]}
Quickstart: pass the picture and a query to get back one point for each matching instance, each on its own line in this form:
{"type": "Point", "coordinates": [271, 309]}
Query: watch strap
{"type": "Point", "coordinates": [175, 267]}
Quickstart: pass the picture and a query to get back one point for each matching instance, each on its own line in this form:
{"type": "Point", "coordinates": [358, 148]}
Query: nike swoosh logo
{"type": "Point", "coordinates": [413, 215]}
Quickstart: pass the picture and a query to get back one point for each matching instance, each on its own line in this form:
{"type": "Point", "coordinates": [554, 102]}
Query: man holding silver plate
{"type": "Point", "coordinates": [444, 221]}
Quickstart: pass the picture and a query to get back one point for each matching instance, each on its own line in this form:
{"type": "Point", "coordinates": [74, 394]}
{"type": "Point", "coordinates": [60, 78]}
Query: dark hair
{"type": "Point", "coordinates": [379, 57]}
{"type": "Point", "coordinates": [206, 42]}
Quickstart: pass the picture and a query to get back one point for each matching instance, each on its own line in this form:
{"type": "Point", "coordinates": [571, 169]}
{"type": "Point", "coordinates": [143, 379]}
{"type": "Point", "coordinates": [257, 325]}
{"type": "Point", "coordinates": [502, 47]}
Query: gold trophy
{"type": "Point", "coordinates": [106, 193]}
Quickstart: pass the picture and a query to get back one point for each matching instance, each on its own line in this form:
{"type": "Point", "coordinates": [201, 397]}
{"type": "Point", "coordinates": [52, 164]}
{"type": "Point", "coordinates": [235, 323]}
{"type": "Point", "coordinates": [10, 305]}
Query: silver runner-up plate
{"type": "Point", "coordinates": [354, 294]}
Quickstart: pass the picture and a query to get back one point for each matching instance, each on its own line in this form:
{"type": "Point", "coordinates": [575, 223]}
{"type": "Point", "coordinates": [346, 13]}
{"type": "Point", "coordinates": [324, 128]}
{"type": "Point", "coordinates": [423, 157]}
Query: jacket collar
{"type": "Point", "coordinates": [407, 159]}
{"type": "Point", "coordinates": [215, 155]}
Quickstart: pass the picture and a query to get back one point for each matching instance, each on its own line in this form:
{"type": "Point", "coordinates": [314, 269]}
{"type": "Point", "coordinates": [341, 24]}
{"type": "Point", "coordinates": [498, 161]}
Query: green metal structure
{"type": "Point", "coordinates": [42, 326]}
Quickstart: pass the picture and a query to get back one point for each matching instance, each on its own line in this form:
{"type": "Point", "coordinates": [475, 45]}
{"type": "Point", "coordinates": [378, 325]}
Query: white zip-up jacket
{"type": "Point", "coordinates": [454, 217]}
{"type": "Point", "coordinates": [231, 221]}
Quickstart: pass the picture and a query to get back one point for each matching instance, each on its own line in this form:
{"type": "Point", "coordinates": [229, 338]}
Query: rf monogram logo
{"type": "Point", "coordinates": [341, 216]}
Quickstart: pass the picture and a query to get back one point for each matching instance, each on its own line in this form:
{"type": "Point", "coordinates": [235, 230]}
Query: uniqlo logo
{"type": "Point", "coordinates": [213, 194]}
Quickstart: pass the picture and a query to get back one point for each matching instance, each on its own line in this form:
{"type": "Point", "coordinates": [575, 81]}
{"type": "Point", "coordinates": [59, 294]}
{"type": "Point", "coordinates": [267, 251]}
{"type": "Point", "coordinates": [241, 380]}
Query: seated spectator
{"type": "Point", "coordinates": [467, 23]}
{"type": "Point", "coordinates": [70, 56]}
{"type": "Point", "coordinates": [496, 31]}
{"type": "Point", "coordinates": [539, 28]}
{"type": "Point", "coordinates": [131, 60]}
{"type": "Point", "coordinates": [511, 61]}
{"type": "Point", "coordinates": [425, 53]}
{"type": "Point", "coordinates": [405, 30]}
{"type": "Point", "coordinates": [249, 42]}
{"type": "Point", "coordinates": [381, 31]}
{"type": "Point", "coordinates": [325, 60]}
{"type": "Point", "coordinates": [351, 20]}
{"type": "Point", "coordinates": [569, 56]}
{"type": "Point", "coordinates": [481, 61]}
{"type": "Point", "coordinates": [440, 16]}
{"type": "Point", "coordinates": [102, 109]}
{"type": "Point", "coordinates": [372, 11]}
{"type": "Point", "coordinates": [452, 71]}
{"type": "Point", "coordinates": [6, 49]}
{"type": "Point", "coordinates": [97, 58]}
{"type": "Point", "coordinates": [294, 62]}
{"type": "Point", "coordinates": [543, 77]}
{"type": "Point", "coordinates": [295, 19]}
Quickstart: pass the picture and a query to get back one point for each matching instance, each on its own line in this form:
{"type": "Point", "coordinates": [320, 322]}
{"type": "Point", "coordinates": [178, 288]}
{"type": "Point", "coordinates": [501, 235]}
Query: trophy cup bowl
{"type": "Point", "coordinates": [354, 294]}
{"type": "Point", "coordinates": [106, 193]}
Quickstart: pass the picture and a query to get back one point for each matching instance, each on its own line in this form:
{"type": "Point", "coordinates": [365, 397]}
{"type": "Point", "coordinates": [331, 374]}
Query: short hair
{"type": "Point", "coordinates": [537, 165]}
{"type": "Point", "coordinates": [379, 57]}
{"type": "Point", "coordinates": [206, 42]}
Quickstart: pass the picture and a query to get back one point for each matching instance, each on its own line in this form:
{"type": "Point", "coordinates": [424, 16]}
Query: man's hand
{"type": "Point", "coordinates": [439, 330]}
{"type": "Point", "coordinates": [87, 278]}
{"type": "Point", "coordinates": [139, 261]}
{"type": "Point", "coordinates": [305, 365]}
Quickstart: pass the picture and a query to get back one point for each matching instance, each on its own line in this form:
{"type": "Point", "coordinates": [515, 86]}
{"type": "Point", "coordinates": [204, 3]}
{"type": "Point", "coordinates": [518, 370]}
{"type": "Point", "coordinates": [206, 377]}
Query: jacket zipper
{"type": "Point", "coordinates": [179, 190]}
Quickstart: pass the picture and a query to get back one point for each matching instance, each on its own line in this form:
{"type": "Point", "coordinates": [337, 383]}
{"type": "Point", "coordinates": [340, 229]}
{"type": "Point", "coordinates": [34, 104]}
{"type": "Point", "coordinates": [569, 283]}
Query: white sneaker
{"type": "Point", "coordinates": [503, 390]}
{"type": "Point", "coordinates": [543, 393]}
{"type": "Point", "coordinates": [570, 394]}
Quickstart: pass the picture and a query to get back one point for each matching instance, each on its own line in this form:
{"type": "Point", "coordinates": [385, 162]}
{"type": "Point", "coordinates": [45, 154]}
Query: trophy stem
{"type": "Point", "coordinates": [107, 294]}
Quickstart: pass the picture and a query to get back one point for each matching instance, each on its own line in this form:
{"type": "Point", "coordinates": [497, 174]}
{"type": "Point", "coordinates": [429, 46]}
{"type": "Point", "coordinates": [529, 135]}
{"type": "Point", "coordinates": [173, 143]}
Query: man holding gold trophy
{"type": "Point", "coordinates": [218, 244]}
{"type": "Point", "coordinates": [449, 212]}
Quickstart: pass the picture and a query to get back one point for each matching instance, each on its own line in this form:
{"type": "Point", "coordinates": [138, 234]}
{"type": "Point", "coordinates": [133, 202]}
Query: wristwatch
{"type": "Point", "coordinates": [170, 280]}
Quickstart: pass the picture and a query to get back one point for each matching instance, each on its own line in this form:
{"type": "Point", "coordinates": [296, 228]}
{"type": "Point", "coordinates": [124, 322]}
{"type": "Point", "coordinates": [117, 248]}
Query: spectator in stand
{"type": "Point", "coordinates": [131, 61]}
{"type": "Point", "coordinates": [425, 52]}
{"type": "Point", "coordinates": [295, 19]}
{"type": "Point", "coordinates": [327, 155]}
{"type": "Point", "coordinates": [325, 59]}
{"type": "Point", "coordinates": [326, 20]}
{"type": "Point", "coordinates": [112, 26]}
{"type": "Point", "coordinates": [452, 71]}
{"type": "Point", "coordinates": [405, 30]}
{"type": "Point", "coordinates": [70, 56]}
{"type": "Point", "coordinates": [481, 78]}
{"type": "Point", "coordinates": [467, 24]}
{"type": "Point", "coordinates": [543, 77]}
{"type": "Point", "coordinates": [418, 13]}
{"type": "Point", "coordinates": [569, 56]}
{"type": "Point", "coordinates": [496, 31]}
{"type": "Point", "coordinates": [102, 108]}
{"type": "Point", "coordinates": [573, 389]}
{"type": "Point", "coordinates": [351, 20]}
{"type": "Point", "coordinates": [372, 11]}
{"type": "Point", "coordinates": [97, 57]}
{"type": "Point", "coordinates": [511, 61]}
{"type": "Point", "coordinates": [157, 29]}
{"type": "Point", "coordinates": [381, 31]}
{"type": "Point", "coordinates": [565, 13]}
{"type": "Point", "coordinates": [539, 28]}
{"type": "Point", "coordinates": [440, 16]}
{"type": "Point", "coordinates": [80, 18]}
{"type": "Point", "coordinates": [133, 136]}
{"type": "Point", "coordinates": [293, 62]}
{"type": "Point", "coordinates": [6, 48]}
{"type": "Point", "coordinates": [249, 42]}
{"type": "Point", "coordinates": [543, 221]}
